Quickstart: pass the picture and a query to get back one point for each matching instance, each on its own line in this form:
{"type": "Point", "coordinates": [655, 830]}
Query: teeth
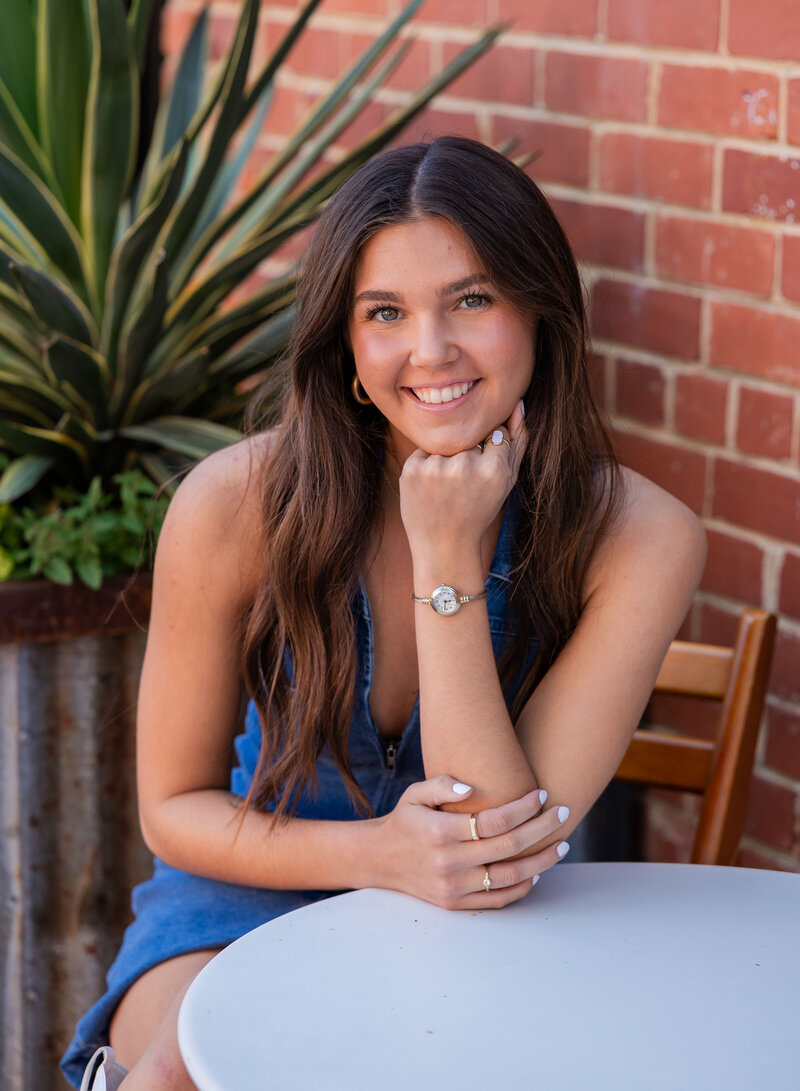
{"type": "Point", "coordinates": [435, 395]}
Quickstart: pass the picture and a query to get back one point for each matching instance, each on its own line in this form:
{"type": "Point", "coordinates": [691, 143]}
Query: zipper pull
{"type": "Point", "coordinates": [391, 753]}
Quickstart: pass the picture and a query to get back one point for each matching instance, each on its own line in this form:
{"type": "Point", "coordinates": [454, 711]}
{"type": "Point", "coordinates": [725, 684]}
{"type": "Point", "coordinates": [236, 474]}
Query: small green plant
{"type": "Point", "coordinates": [88, 535]}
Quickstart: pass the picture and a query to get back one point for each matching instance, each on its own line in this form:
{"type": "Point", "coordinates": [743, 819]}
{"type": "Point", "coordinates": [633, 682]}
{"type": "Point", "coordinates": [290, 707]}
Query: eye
{"type": "Point", "coordinates": [385, 314]}
{"type": "Point", "coordinates": [475, 301]}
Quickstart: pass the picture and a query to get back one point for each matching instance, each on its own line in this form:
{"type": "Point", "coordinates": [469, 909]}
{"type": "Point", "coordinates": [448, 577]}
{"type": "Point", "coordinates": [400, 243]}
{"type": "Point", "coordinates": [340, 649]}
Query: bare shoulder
{"type": "Point", "coordinates": [654, 536]}
{"type": "Point", "coordinates": [211, 533]}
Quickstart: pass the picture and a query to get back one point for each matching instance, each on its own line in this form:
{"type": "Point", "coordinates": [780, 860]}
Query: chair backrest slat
{"type": "Point", "coordinates": [699, 670]}
{"type": "Point", "coordinates": [719, 770]}
{"type": "Point", "coordinates": [668, 761]}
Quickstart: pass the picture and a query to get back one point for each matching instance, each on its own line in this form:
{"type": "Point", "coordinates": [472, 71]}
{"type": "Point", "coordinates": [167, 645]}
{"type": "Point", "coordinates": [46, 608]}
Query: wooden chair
{"type": "Point", "coordinates": [720, 770]}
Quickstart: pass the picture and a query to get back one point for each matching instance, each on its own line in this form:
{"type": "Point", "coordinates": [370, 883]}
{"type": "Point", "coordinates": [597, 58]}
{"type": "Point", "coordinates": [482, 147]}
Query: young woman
{"type": "Point", "coordinates": [447, 603]}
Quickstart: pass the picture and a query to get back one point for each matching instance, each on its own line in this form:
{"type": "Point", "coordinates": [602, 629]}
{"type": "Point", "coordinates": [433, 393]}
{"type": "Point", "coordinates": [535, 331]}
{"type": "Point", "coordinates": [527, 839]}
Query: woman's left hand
{"type": "Point", "coordinates": [448, 502]}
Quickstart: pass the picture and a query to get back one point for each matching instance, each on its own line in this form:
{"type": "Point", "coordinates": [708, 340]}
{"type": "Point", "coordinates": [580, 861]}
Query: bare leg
{"type": "Point", "coordinates": [144, 1028]}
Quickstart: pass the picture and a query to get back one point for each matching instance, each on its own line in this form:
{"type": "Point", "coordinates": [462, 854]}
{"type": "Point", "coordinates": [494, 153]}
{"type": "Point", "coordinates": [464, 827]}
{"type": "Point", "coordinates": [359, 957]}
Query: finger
{"type": "Point", "coordinates": [516, 841]}
{"type": "Point", "coordinates": [498, 441]}
{"type": "Point", "coordinates": [436, 791]}
{"type": "Point", "coordinates": [519, 438]}
{"type": "Point", "coordinates": [510, 880]}
{"type": "Point", "coordinates": [516, 422]}
{"type": "Point", "coordinates": [499, 820]}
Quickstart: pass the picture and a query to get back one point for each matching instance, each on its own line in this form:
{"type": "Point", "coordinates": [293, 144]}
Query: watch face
{"type": "Point", "coordinates": [445, 601]}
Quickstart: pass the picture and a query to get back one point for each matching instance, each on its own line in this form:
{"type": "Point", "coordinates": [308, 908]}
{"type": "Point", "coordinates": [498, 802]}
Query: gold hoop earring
{"type": "Point", "coordinates": [359, 393]}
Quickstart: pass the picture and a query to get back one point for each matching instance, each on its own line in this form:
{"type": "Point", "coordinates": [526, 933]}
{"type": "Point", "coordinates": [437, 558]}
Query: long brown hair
{"type": "Point", "coordinates": [320, 478]}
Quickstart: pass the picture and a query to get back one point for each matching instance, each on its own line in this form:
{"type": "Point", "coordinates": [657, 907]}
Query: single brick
{"type": "Point", "coordinates": [770, 813]}
{"type": "Point", "coordinates": [700, 407]}
{"type": "Point", "coordinates": [790, 280]}
{"type": "Point", "coordinates": [596, 86]}
{"type": "Point", "coordinates": [578, 18]}
{"type": "Point", "coordinates": [784, 681]}
{"type": "Point", "coordinates": [357, 7]}
{"type": "Point", "coordinates": [504, 74]}
{"type": "Point", "coordinates": [765, 423]}
{"type": "Point", "coordinates": [707, 252]}
{"type": "Point", "coordinates": [675, 469]}
{"type": "Point", "coordinates": [747, 496]}
{"type": "Point", "coordinates": [460, 12]}
{"type": "Point", "coordinates": [733, 567]}
{"type": "Point", "coordinates": [767, 186]}
{"type": "Point", "coordinates": [794, 111]}
{"type": "Point", "coordinates": [649, 318]}
{"type": "Point", "coordinates": [790, 587]}
{"type": "Point", "coordinates": [756, 341]}
{"type": "Point", "coordinates": [639, 391]}
{"type": "Point", "coordinates": [783, 741]}
{"type": "Point", "coordinates": [676, 171]}
{"type": "Point", "coordinates": [717, 624]}
{"type": "Point", "coordinates": [716, 100]}
{"type": "Point", "coordinates": [683, 23]}
{"type": "Point", "coordinates": [759, 30]}
{"type": "Point", "coordinates": [564, 148]}
{"type": "Point", "coordinates": [602, 234]}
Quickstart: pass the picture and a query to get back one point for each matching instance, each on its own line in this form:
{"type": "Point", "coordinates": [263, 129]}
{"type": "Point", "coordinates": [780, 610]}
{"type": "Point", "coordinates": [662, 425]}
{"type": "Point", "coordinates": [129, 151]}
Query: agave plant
{"type": "Point", "coordinates": [119, 342]}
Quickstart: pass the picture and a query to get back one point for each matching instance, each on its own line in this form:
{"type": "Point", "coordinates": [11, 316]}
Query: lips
{"type": "Point", "coordinates": [437, 395]}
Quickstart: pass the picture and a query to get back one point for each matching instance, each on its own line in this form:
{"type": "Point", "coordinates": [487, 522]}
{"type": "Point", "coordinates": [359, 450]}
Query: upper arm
{"type": "Point", "coordinates": [203, 581]}
{"type": "Point", "coordinates": [577, 724]}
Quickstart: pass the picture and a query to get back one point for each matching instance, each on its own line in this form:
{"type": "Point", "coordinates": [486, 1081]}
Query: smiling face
{"type": "Point", "coordinates": [443, 357]}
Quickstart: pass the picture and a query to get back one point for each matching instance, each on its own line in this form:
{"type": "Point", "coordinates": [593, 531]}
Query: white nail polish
{"type": "Point", "coordinates": [536, 879]}
{"type": "Point", "coordinates": [543, 797]}
{"type": "Point", "coordinates": [563, 814]}
{"type": "Point", "coordinates": [461, 789]}
{"type": "Point", "coordinates": [562, 849]}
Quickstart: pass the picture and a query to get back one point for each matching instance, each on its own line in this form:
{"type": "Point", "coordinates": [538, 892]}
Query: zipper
{"type": "Point", "coordinates": [390, 746]}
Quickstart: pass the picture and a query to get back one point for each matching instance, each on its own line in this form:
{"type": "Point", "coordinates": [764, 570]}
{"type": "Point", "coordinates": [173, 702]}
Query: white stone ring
{"type": "Point", "coordinates": [497, 439]}
{"type": "Point", "coordinates": [487, 882]}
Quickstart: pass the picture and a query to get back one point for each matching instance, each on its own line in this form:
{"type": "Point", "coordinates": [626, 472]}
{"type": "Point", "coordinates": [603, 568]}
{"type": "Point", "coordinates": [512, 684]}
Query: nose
{"type": "Point", "coordinates": [431, 345]}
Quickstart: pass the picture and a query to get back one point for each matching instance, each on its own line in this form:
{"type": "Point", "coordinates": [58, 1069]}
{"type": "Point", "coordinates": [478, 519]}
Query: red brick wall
{"type": "Point", "coordinates": [670, 139]}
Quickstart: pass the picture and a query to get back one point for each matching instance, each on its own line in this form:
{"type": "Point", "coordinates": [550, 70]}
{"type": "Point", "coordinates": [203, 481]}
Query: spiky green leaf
{"type": "Point", "coordinates": [193, 199]}
{"type": "Point", "coordinates": [193, 438]}
{"type": "Point", "coordinates": [139, 17]}
{"type": "Point", "coordinates": [44, 442]}
{"type": "Point", "coordinates": [62, 69]}
{"type": "Point", "coordinates": [140, 334]}
{"type": "Point", "coordinates": [40, 220]}
{"type": "Point", "coordinates": [18, 56]}
{"type": "Point", "coordinates": [21, 475]}
{"type": "Point", "coordinates": [112, 118]}
{"type": "Point", "coordinates": [83, 374]}
{"type": "Point", "coordinates": [55, 307]}
{"type": "Point", "coordinates": [132, 251]}
{"type": "Point", "coordinates": [257, 351]}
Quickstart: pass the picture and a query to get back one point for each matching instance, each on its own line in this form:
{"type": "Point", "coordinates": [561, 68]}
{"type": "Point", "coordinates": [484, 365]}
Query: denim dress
{"type": "Point", "coordinates": [176, 912]}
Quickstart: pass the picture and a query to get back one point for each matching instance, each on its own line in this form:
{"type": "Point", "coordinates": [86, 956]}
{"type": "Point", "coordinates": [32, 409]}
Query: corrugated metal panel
{"type": "Point", "coordinates": [71, 847]}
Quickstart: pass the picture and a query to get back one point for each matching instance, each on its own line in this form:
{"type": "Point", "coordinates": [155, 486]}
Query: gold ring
{"type": "Point", "coordinates": [487, 882]}
{"type": "Point", "coordinates": [473, 827]}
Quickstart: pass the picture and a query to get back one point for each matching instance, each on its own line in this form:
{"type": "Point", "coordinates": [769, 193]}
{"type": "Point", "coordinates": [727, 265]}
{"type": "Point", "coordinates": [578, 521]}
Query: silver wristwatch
{"type": "Point", "coordinates": [446, 600]}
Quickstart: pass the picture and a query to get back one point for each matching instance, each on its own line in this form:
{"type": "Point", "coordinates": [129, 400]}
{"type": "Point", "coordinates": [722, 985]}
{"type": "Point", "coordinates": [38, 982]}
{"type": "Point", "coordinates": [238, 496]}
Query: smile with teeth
{"type": "Point", "coordinates": [435, 395]}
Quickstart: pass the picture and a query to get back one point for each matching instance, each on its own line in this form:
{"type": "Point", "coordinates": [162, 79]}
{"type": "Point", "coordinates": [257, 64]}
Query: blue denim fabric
{"type": "Point", "coordinates": [176, 912]}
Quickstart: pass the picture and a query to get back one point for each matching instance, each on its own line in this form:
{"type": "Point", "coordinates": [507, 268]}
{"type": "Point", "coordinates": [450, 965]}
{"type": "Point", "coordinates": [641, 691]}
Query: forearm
{"type": "Point", "coordinates": [465, 727]}
{"type": "Point", "coordinates": [203, 832]}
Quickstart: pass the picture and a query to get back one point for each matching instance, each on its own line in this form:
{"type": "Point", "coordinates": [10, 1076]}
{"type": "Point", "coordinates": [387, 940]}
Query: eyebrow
{"type": "Point", "coordinates": [474, 280]}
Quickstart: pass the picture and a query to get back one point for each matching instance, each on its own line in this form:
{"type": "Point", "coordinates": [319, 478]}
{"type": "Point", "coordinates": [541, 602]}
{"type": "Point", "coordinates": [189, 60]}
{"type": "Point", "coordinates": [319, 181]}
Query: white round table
{"type": "Point", "coordinates": [607, 976]}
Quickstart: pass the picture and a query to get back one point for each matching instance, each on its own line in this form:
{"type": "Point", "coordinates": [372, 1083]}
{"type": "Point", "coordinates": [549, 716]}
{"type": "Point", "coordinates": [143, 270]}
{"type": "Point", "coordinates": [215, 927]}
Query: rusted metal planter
{"type": "Point", "coordinates": [71, 850]}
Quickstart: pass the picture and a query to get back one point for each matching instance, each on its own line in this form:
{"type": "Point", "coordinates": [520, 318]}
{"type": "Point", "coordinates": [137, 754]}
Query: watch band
{"type": "Point", "coordinates": [445, 600]}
